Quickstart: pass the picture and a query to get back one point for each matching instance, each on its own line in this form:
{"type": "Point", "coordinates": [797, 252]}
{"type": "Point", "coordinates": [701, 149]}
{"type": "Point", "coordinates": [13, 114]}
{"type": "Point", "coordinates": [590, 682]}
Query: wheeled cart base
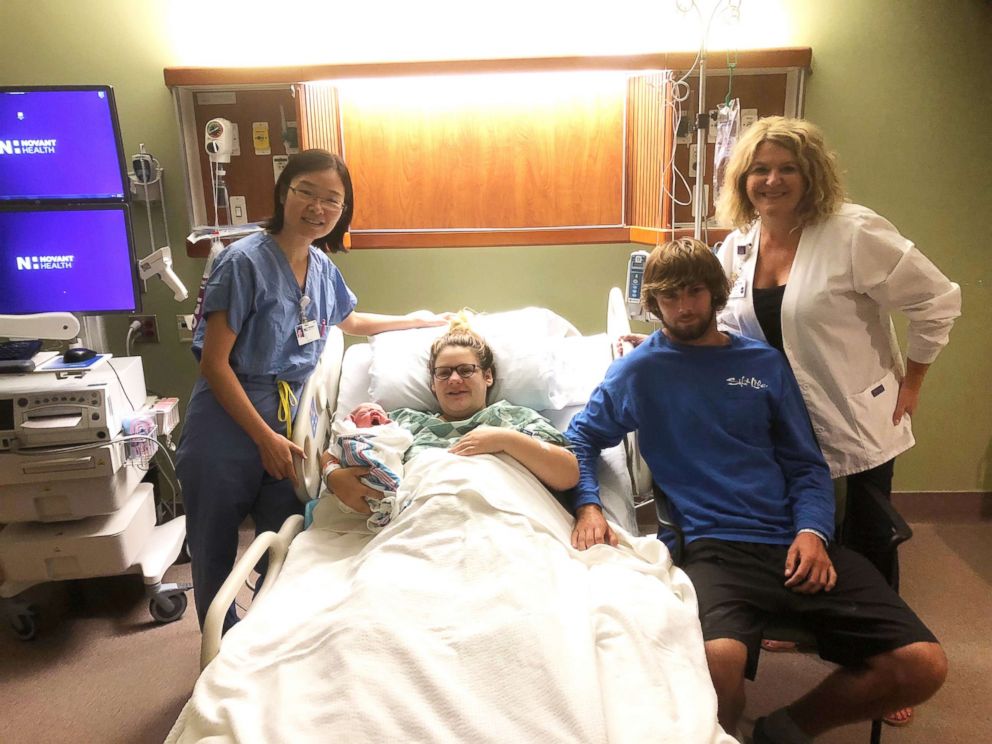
{"type": "Point", "coordinates": [121, 543]}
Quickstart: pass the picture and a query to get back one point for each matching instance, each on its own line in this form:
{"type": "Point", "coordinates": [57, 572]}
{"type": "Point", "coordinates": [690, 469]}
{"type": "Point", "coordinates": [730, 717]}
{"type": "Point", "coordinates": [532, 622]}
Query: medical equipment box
{"type": "Point", "coordinates": [64, 486]}
{"type": "Point", "coordinates": [96, 546]}
{"type": "Point", "coordinates": [44, 410]}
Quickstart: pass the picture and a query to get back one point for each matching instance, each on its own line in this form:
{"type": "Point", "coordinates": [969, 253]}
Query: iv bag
{"type": "Point", "coordinates": [728, 129]}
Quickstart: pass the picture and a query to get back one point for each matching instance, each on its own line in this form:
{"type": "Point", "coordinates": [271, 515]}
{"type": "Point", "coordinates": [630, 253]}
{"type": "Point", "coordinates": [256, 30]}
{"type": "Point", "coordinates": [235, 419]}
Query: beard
{"type": "Point", "coordinates": [689, 333]}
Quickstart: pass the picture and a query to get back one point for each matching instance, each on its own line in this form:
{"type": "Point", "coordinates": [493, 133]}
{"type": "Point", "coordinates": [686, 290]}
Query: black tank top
{"type": "Point", "coordinates": [768, 309]}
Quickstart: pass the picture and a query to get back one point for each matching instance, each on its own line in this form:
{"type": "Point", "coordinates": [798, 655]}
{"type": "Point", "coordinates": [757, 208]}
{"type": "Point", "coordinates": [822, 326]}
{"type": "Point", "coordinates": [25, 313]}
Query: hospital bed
{"type": "Point", "coordinates": [468, 618]}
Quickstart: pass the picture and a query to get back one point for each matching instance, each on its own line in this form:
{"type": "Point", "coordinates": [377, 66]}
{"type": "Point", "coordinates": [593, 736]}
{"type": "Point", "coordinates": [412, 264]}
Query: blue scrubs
{"type": "Point", "coordinates": [218, 464]}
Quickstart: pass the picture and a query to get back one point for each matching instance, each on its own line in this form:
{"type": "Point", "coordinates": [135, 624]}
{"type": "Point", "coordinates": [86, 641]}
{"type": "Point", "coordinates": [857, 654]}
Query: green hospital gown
{"type": "Point", "coordinates": [430, 430]}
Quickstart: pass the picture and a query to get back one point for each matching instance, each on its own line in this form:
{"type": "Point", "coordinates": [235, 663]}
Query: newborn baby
{"type": "Point", "coordinates": [369, 439]}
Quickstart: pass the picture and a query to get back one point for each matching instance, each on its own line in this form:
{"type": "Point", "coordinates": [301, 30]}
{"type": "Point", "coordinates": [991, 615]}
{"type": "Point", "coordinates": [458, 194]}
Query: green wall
{"type": "Point", "coordinates": [901, 87]}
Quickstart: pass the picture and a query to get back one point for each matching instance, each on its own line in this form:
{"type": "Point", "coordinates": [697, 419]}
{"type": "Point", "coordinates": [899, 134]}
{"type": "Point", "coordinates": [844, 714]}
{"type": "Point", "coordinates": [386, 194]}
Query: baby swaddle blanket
{"type": "Point", "coordinates": [379, 448]}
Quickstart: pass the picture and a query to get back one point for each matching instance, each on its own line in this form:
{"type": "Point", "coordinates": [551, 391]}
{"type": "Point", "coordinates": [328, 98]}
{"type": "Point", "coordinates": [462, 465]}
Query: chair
{"type": "Point", "coordinates": [878, 543]}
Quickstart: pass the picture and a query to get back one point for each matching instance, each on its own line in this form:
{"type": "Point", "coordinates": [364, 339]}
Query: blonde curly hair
{"type": "Point", "coordinates": [824, 191]}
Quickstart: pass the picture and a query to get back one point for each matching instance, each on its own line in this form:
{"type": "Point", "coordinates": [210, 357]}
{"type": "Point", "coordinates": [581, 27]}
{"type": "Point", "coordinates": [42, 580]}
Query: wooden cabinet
{"type": "Point", "coordinates": [481, 152]}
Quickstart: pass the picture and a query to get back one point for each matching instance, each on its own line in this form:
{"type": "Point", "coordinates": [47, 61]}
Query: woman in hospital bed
{"type": "Point", "coordinates": [469, 617]}
{"type": "Point", "coordinates": [462, 373]}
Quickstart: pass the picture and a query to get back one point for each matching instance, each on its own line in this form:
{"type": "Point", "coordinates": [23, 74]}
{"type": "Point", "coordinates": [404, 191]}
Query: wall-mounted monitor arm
{"type": "Point", "coordinates": [58, 326]}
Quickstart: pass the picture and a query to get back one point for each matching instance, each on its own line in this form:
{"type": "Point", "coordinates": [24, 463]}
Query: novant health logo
{"type": "Point", "coordinates": [28, 147]}
{"type": "Point", "coordinates": [44, 263]}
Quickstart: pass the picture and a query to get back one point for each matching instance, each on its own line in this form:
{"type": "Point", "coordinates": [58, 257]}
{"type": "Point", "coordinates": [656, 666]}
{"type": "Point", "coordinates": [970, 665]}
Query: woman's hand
{"type": "Point", "coordinates": [591, 528]}
{"type": "Point", "coordinates": [483, 440]}
{"type": "Point", "coordinates": [909, 398]}
{"type": "Point", "coordinates": [346, 484]}
{"type": "Point", "coordinates": [423, 318]}
{"type": "Point", "coordinates": [277, 456]}
{"type": "Point", "coordinates": [909, 390]}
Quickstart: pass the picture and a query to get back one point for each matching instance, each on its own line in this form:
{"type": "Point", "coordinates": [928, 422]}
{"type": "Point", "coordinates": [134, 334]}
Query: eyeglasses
{"type": "Point", "coordinates": [308, 196]}
{"type": "Point", "coordinates": [464, 371]}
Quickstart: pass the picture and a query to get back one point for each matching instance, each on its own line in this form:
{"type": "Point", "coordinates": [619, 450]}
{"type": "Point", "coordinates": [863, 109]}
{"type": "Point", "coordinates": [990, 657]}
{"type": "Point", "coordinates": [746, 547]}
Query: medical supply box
{"type": "Point", "coordinates": [33, 552]}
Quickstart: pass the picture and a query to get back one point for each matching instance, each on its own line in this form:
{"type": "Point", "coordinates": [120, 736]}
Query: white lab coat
{"type": "Point", "coordinates": [850, 270]}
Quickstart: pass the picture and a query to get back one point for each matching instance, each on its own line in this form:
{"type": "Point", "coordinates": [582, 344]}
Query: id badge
{"type": "Point", "coordinates": [739, 290]}
{"type": "Point", "coordinates": [307, 333]}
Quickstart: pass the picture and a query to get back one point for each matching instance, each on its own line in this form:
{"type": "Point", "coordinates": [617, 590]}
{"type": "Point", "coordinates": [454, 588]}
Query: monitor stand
{"type": "Point", "coordinates": [56, 326]}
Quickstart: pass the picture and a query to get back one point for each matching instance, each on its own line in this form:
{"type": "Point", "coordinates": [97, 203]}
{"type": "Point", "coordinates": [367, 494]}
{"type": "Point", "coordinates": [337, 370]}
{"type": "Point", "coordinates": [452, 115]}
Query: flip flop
{"type": "Point", "coordinates": [898, 718]}
{"type": "Point", "coordinates": [778, 646]}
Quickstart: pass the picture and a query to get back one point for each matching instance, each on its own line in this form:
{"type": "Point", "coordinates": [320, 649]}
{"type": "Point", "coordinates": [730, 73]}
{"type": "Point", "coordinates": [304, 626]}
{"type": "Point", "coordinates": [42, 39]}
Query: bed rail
{"type": "Point", "coordinates": [276, 544]}
{"type": "Point", "coordinates": [312, 424]}
{"type": "Point", "coordinates": [617, 325]}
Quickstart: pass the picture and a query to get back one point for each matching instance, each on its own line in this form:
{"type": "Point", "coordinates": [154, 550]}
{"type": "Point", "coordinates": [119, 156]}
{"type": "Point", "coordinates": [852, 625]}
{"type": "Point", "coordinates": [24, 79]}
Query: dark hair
{"type": "Point", "coordinates": [311, 161]}
{"type": "Point", "coordinates": [682, 263]}
{"type": "Point", "coordinates": [460, 333]}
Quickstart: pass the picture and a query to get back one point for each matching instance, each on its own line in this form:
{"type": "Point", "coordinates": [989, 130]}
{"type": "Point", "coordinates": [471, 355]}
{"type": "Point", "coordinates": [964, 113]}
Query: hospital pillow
{"type": "Point", "coordinates": [529, 349]}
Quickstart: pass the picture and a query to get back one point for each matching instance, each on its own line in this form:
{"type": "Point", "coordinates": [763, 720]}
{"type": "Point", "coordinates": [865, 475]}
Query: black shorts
{"type": "Point", "coordinates": [741, 586]}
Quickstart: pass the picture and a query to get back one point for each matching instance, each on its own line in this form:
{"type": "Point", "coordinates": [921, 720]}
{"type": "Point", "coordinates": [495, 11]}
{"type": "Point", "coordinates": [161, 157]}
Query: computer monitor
{"type": "Point", "coordinates": [61, 143]}
{"type": "Point", "coordinates": [67, 258]}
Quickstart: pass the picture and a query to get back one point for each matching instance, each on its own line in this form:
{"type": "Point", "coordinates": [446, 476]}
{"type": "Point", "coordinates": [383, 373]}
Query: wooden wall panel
{"type": "Point", "coordinates": [649, 125]}
{"type": "Point", "coordinates": [550, 155]}
{"type": "Point", "coordinates": [248, 175]}
{"type": "Point", "coordinates": [764, 91]}
{"type": "Point", "coordinates": [320, 116]}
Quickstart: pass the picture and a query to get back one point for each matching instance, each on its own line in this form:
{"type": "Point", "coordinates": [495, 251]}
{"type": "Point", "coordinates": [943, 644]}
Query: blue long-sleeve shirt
{"type": "Point", "coordinates": [725, 433]}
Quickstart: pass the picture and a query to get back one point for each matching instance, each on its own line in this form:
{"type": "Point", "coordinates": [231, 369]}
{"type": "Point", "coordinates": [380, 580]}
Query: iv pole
{"type": "Point", "coordinates": [702, 127]}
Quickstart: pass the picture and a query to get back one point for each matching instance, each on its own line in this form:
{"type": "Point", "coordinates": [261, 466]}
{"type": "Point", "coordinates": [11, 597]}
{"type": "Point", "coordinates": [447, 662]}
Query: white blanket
{"type": "Point", "coordinates": [470, 618]}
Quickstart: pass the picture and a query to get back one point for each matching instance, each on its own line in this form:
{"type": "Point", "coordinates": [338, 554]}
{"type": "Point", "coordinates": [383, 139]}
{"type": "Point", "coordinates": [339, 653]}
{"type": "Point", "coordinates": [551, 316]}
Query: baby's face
{"type": "Point", "coordinates": [369, 414]}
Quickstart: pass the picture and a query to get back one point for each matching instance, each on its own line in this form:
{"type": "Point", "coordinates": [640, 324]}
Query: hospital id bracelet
{"type": "Point", "coordinates": [329, 468]}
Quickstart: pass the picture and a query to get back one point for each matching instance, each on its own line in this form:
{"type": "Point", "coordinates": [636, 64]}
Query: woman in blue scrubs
{"type": "Point", "coordinates": [266, 309]}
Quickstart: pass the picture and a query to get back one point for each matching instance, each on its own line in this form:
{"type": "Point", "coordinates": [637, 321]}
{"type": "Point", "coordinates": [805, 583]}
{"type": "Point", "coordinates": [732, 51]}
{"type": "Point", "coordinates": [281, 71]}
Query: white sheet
{"type": "Point", "coordinates": [468, 619]}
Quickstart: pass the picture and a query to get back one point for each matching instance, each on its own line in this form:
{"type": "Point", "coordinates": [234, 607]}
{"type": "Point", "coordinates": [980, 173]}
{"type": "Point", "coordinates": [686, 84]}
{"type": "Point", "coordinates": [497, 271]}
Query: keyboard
{"type": "Point", "coordinates": [19, 350]}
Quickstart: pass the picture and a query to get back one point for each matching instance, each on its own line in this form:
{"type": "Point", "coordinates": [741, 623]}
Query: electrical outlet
{"type": "Point", "coordinates": [184, 325]}
{"type": "Point", "coordinates": [148, 333]}
{"type": "Point", "coordinates": [692, 161]}
{"type": "Point", "coordinates": [239, 210]}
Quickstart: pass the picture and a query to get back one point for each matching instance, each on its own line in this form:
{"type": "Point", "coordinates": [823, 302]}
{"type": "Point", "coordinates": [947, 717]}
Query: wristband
{"type": "Point", "coordinates": [329, 468]}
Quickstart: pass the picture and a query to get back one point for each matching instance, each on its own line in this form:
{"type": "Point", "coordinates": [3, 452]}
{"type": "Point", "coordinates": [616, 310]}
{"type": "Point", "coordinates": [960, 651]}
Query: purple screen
{"type": "Point", "coordinates": [59, 144]}
{"type": "Point", "coordinates": [66, 261]}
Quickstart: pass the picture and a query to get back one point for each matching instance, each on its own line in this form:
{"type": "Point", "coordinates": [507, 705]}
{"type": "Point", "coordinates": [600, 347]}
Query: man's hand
{"type": "Point", "coordinates": [808, 568]}
{"type": "Point", "coordinates": [591, 528]}
{"type": "Point", "coordinates": [634, 339]}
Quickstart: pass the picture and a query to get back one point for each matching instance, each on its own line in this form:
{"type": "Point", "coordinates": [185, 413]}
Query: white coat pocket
{"type": "Point", "coordinates": [873, 408]}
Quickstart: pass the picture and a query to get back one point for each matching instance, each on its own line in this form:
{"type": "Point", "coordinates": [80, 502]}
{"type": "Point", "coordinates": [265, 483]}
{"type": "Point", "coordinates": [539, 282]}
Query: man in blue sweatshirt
{"type": "Point", "coordinates": [725, 433]}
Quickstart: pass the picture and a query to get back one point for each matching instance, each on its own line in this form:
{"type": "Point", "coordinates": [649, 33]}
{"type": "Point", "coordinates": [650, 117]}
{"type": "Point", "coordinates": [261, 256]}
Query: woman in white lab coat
{"type": "Point", "coordinates": [816, 277]}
